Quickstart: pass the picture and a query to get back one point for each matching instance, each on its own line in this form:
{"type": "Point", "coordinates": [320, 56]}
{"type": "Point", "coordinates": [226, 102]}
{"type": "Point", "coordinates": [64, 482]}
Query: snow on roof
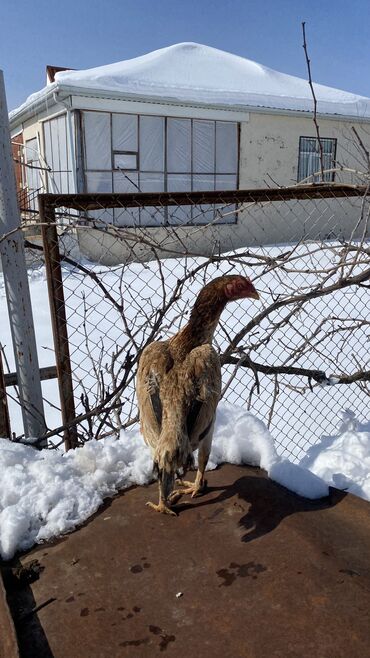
{"type": "Point", "coordinates": [195, 73]}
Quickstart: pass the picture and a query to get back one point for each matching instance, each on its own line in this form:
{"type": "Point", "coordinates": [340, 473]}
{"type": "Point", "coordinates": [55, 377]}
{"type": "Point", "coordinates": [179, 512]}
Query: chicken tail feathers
{"type": "Point", "coordinates": [173, 453]}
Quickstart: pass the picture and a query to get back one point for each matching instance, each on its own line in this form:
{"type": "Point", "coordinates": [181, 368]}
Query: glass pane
{"type": "Point", "coordinates": [179, 145]}
{"type": "Point", "coordinates": [152, 216]}
{"type": "Point", "coordinates": [124, 132]}
{"type": "Point", "coordinates": [98, 181]}
{"type": "Point", "coordinates": [123, 182]}
{"type": "Point", "coordinates": [203, 146]}
{"type": "Point", "coordinates": [125, 161]}
{"type": "Point", "coordinates": [203, 182]}
{"type": "Point", "coordinates": [225, 213]}
{"type": "Point", "coordinates": [31, 150]}
{"type": "Point", "coordinates": [179, 214]}
{"type": "Point", "coordinates": [179, 182]}
{"type": "Point", "coordinates": [151, 150]}
{"type": "Point", "coordinates": [309, 157]}
{"type": "Point", "coordinates": [126, 183]}
{"type": "Point", "coordinates": [126, 217]}
{"type": "Point", "coordinates": [226, 147]}
{"type": "Point", "coordinates": [225, 182]}
{"type": "Point", "coordinates": [55, 153]}
{"type": "Point", "coordinates": [203, 214]}
{"type": "Point", "coordinates": [97, 136]}
{"type": "Point", "coordinates": [33, 176]}
{"type": "Point", "coordinates": [63, 156]}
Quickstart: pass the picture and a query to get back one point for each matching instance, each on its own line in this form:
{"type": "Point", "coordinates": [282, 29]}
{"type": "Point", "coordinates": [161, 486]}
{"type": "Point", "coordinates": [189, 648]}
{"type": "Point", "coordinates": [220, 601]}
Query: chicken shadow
{"type": "Point", "coordinates": [268, 504]}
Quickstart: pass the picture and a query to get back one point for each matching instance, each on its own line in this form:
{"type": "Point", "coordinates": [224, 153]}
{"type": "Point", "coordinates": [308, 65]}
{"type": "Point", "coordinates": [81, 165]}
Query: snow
{"type": "Point", "coordinates": [343, 460]}
{"type": "Point", "coordinates": [196, 73]}
{"type": "Point", "coordinates": [44, 494]}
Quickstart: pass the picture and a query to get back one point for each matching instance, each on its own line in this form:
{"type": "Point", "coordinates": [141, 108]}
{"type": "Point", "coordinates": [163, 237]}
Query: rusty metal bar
{"type": "Point", "coordinates": [48, 372]}
{"type": "Point", "coordinates": [59, 321]}
{"type": "Point", "coordinates": [5, 429]}
{"type": "Point", "coordinates": [90, 201]}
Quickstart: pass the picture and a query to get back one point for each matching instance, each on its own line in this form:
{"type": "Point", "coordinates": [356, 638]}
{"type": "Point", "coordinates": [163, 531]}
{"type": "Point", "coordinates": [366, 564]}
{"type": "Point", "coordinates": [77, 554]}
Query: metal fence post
{"type": "Point", "coordinates": [59, 320]}
{"type": "Point", "coordinates": [16, 285]}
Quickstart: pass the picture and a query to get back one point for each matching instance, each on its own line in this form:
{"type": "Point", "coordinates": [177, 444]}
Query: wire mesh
{"type": "Point", "coordinates": [132, 266]}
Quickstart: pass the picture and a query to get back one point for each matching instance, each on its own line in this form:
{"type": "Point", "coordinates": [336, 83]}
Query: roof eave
{"type": "Point", "coordinates": [59, 92]}
{"type": "Point", "coordinates": [89, 92]}
{"type": "Point", "coordinates": [33, 107]}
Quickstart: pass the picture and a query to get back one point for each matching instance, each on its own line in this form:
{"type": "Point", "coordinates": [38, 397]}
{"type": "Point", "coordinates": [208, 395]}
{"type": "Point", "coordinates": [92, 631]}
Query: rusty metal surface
{"type": "Point", "coordinates": [96, 200]}
{"type": "Point", "coordinates": [248, 569]}
{"type": "Point", "coordinates": [8, 639]}
{"type": "Point", "coordinates": [58, 320]}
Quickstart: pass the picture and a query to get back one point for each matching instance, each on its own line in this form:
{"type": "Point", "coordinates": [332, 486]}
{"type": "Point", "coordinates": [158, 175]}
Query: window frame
{"type": "Point", "coordinates": [331, 174]}
{"type": "Point", "coordinates": [135, 168]}
{"type": "Point", "coordinates": [166, 173]}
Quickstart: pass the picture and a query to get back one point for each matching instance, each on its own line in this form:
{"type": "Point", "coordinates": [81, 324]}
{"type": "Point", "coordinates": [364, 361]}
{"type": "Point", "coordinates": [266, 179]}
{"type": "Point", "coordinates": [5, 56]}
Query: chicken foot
{"type": "Point", "coordinates": [193, 488]}
{"type": "Point", "coordinates": [199, 485]}
{"type": "Point", "coordinates": [166, 484]}
{"type": "Point", "coordinates": [162, 507]}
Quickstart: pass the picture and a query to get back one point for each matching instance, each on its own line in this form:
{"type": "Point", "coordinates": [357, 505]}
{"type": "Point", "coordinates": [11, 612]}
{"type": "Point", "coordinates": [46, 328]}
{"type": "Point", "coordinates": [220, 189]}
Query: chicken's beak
{"type": "Point", "coordinates": [250, 291]}
{"type": "Point", "coordinates": [254, 294]}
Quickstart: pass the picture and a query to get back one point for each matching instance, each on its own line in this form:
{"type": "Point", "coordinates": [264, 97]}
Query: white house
{"type": "Point", "coordinates": [183, 118]}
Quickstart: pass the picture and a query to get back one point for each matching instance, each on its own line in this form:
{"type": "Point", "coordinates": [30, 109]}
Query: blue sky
{"type": "Point", "coordinates": [82, 34]}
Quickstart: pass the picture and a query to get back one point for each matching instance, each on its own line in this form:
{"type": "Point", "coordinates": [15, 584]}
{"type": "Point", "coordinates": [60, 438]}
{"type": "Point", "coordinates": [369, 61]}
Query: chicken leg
{"type": "Point", "coordinates": [199, 485]}
{"type": "Point", "coordinates": [166, 484]}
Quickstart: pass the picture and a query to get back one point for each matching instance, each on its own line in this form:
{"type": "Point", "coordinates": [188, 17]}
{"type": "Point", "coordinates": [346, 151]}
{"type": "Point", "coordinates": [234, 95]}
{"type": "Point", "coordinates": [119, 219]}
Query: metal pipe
{"type": "Point", "coordinates": [16, 285]}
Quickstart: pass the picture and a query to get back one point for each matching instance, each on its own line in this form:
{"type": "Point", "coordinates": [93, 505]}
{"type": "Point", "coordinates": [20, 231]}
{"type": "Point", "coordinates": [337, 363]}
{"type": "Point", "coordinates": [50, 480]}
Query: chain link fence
{"type": "Point", "coordinates": [125, 269]}
{"type": "Point", "coordinates": [141, 259]}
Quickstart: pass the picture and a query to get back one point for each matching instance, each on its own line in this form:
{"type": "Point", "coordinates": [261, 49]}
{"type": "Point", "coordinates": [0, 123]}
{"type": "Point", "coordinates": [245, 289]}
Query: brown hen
{"type": "Point", "coordinates": [178, 389]}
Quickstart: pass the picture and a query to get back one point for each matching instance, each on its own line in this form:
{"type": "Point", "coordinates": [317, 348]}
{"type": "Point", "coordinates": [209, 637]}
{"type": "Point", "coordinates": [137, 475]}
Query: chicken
{"type": "Point", "coordinates": [178, 388]}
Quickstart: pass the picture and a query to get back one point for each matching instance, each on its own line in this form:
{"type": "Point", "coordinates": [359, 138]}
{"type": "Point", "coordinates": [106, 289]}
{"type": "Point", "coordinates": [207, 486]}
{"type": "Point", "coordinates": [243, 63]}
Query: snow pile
{"type": "Point", "coordinates": [343, 461]}
{"type": "Point", "coordinates": [192, 72]}
{"type": "Point", "coordinates": [241, 438]}
{"type": "Point", "coordinates": [45, 494]}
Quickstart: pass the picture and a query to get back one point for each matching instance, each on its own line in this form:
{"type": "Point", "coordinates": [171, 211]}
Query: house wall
{"type": "Point", "coordinates": [269, 146]}
{"type": "Point", "coordinates": [262, 224]}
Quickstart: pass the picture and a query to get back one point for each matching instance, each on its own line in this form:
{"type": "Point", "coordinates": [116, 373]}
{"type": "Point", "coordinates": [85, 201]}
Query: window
{"type": "Point", "coordinates": [309, 158]}
{"type": "Point", "coordinates": [58, 155]}
{"type": "Point", "coordinates": [32, 171]}
{"type": "Point", "coordinates": [128, 153]}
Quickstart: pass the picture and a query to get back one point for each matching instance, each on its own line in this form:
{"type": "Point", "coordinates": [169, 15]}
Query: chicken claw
{"type": "Point", "coordinates": [162, 508]}
{"type": "Point", "coordinates": [193, 488]}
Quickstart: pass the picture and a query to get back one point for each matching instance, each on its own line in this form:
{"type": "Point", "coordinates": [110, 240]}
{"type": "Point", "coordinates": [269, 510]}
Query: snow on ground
{"type": "Point", "coordinates": [44, 494]}
{"type": "Point", "coordinates": [343, 460]}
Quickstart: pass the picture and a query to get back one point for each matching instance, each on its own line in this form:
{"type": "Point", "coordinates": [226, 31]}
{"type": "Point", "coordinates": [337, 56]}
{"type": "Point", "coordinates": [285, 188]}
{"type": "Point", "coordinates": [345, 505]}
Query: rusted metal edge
{"type": "Point", "coordinates": [59, 321]}
{"type": "Point", "coordinates": [5, 429]}
{"type": "Point", "coordinates": [8, 640]}
{"type": "Point", "coordinates": [89, 201]}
